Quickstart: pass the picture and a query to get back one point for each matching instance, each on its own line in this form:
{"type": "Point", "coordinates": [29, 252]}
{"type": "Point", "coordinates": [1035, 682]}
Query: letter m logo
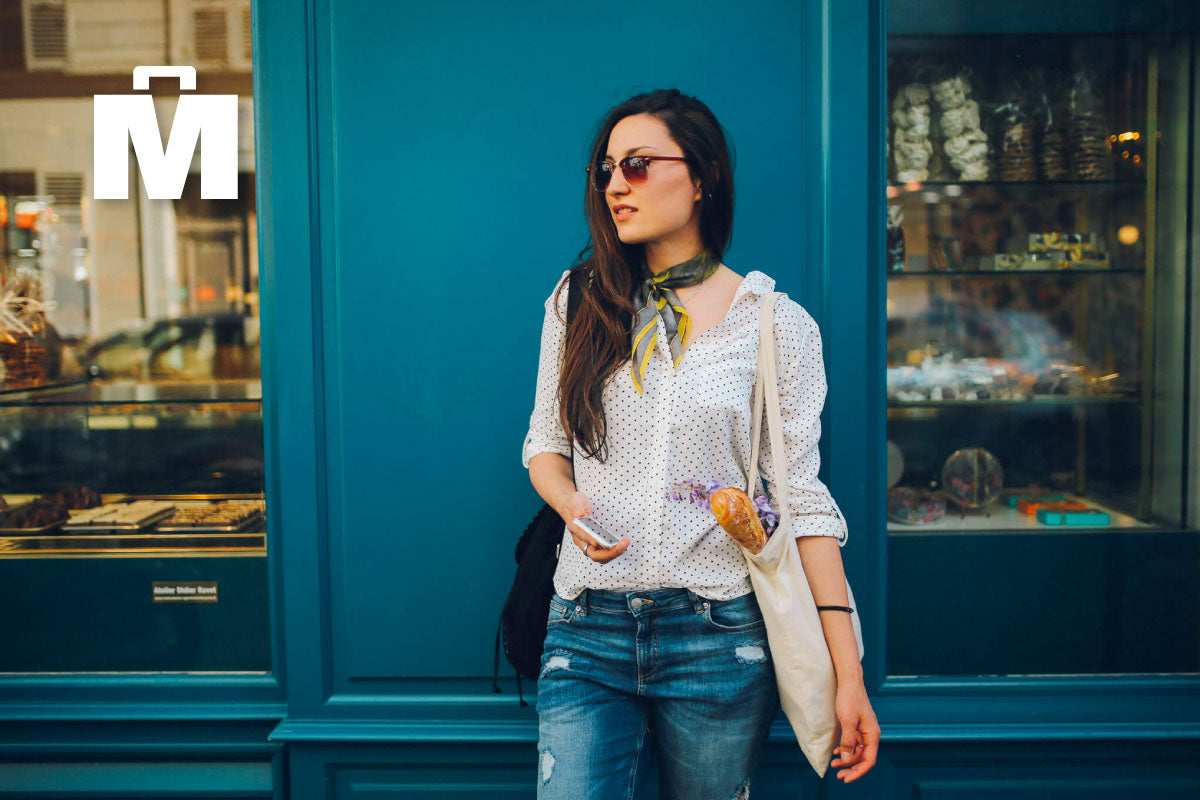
{"type": "Point", "coordinates": [120, 117]}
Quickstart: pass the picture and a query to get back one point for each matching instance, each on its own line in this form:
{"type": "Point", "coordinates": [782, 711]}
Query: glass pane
{"type": "Point", "coordinates": [132, 508]}
{"type": "Point", "coordinates": [1040, 481]}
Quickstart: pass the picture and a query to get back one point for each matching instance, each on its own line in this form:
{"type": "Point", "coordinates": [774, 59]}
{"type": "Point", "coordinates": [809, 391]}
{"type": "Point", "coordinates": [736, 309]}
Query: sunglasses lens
{"type": "Point", "coordinates": [600, 176]}
{"type": "Point", "coordinates": [634, 169]}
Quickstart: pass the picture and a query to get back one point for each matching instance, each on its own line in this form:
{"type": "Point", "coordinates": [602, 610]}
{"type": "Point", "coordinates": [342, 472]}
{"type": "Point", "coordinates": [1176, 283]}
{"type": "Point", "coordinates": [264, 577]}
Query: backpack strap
{"type": "Point", "coordinates": [574, 297]}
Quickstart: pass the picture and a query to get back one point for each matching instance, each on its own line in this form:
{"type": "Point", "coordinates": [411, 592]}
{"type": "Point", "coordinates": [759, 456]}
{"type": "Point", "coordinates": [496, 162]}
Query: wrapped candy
{"type": "Point", "coordinates": [911, 120]}
{"type": "Point", "coordinates": [958, 120]}
{"type": "Point", "coordinates": [1087, 130]}
{"type": "Point", "coordinates": [1014, 116]}
{"type": "Point", "coordinates": [1048, 107]}
{"type": "Point", "coordinates": [912, 506]}
{"type": "Point", "coordinates": [23, 333]}
{"type": "Point", "coordinates": [895, 238]}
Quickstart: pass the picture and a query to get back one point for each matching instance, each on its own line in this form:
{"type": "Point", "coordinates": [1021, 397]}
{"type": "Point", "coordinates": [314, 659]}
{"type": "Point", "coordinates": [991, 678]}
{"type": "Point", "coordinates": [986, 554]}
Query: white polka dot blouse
{"type": "Point", "coordinates": [692, 423]}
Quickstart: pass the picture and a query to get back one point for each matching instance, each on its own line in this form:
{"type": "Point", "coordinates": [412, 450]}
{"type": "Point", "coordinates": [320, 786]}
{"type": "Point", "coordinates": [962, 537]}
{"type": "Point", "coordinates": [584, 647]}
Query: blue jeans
{"type": "Point", "coordinates": [663, 673]}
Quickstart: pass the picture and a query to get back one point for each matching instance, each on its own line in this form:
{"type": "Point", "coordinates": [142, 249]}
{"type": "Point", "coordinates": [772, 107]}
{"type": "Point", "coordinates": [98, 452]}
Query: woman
{"type": "Point", "coordinates": [656, 645]}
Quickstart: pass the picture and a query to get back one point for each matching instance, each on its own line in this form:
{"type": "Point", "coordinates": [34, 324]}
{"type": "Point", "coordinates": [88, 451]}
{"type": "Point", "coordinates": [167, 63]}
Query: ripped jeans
{"type": "Point", "coordinates": [664, 673]}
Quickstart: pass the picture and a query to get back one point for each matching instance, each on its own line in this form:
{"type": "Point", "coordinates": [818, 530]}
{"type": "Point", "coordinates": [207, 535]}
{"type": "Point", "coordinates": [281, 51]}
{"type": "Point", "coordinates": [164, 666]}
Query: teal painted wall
{"type": "Point", "coordinates": [449, 153]}
{"type": "Point", "coordinates": [390, 136]}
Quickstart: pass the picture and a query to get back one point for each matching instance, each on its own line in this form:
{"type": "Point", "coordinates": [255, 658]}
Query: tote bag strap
{"type": "Point", "coordinates": [766, 336]}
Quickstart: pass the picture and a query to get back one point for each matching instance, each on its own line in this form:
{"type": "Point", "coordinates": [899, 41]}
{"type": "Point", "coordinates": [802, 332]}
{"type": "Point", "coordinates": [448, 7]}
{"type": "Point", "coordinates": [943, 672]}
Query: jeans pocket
{"type": "Point", "coordinates": [739, 614]}
{"type": "Point", "coordinates": [560, 611]}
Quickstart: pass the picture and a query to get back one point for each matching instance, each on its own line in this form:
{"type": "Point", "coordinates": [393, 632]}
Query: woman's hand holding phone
{"type": "Point", "coordinates": [578, 505]}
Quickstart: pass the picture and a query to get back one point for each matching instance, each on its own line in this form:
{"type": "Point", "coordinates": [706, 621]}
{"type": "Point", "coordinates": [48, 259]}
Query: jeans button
{"type": "Point", "coordinates": [636, 603]}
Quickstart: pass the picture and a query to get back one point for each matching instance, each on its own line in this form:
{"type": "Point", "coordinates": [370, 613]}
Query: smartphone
{"type": "Point", "coordinates": [601, 534]}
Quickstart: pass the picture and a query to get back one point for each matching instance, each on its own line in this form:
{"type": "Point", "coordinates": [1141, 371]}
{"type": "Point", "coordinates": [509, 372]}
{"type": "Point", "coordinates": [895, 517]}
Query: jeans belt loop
{"type": "Point", "coordinates": [697, 601]}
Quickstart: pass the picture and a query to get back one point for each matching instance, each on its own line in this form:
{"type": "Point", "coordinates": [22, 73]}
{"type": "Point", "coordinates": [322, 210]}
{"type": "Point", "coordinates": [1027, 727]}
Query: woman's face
{"type": "Point", "coordinates": [665, 214]}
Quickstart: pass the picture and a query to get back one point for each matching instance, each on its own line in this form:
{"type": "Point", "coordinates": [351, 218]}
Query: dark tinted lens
{"type": "Point", "coordinates": [601, 173]}
{"type": "Point", "coordinates": [634, 169]}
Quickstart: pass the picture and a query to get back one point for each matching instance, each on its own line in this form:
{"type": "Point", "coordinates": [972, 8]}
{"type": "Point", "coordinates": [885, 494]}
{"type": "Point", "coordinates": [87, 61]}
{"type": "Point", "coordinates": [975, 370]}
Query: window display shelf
{"type": "Point", "coordinates": [998, 519]}
{"type": "Point", "coordinates": [1012, 273]}
{"type": "Point", "coordinates": [1047, 400]}
{"type": "Point", "coordinates": [107, 393]}
{"type": "Point", "coordinates": [916, 186]}
{"type": "Point", "coordinates": [19, 395]}
{"type": "Point", "coordinates": [163, 537]}
{"type": "Point", "coordinates": [212, 544]}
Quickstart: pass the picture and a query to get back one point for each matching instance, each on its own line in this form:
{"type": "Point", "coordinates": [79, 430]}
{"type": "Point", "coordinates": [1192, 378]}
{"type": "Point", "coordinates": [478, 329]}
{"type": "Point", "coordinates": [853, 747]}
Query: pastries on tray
{"type": "Point", "coordinates": [47, 510]}
{"type": "Point", "coordinates": [121, 516]}
{"type": "Point", "coordinates": [221, 515]}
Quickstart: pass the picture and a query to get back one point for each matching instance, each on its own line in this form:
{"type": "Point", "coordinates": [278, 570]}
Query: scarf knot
{"type": "Point", "coordinates": [656, 297]}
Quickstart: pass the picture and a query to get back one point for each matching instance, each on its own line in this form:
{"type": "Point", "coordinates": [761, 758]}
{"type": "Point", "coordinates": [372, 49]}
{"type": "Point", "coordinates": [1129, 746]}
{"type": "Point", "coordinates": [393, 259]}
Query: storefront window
{"type": "Point", "coordinates": [132, 510]}
{"type": "Point", "coordinates": [1041, 462]}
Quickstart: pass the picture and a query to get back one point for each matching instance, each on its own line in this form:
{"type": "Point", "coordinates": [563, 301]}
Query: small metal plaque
{"type": "Point", "coordinates": [185, 591]}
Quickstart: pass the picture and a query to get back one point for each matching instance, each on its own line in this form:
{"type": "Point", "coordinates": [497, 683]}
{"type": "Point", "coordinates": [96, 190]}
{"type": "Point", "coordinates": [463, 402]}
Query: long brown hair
{"type": "Point", "coordinates": [606, 270]}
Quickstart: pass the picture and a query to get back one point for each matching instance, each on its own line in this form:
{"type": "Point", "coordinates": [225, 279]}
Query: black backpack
{"type": "Point", "coordinates": [523, 619]}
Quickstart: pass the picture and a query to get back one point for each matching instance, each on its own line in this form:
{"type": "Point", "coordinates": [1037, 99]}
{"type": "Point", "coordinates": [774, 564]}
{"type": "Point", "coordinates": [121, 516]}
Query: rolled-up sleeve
{"type": "Point", "coordinates": [802, 389]}
{"type": "Point", "coordinates": [545, 434]}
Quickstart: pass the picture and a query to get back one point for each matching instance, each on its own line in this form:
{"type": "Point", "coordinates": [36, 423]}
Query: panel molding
{"type": "Point", "coordinates": [468, 730]}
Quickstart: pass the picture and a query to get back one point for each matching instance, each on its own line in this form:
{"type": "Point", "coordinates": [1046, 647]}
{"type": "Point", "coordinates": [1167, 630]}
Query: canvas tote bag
{"type": "Point", "coordinates": [803, 666]}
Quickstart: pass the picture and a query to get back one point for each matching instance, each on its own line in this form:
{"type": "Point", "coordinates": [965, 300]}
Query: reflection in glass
{"type": "Point", "coordinates": [129, 360]}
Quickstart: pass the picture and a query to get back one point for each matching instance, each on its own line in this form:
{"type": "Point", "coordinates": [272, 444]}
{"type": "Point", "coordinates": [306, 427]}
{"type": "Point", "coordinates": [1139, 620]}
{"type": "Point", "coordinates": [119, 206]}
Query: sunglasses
{"type": "Point", "coordinates": [634, 169]}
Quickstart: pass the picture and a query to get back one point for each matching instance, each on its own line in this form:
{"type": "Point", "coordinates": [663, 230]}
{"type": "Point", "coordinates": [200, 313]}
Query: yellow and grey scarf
{"type": "Point", "coordinates": [656, 297]}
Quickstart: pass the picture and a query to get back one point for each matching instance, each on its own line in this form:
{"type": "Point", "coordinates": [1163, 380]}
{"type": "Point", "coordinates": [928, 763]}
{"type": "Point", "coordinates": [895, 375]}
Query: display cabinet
{"type": "Point", "coordinates": [1038, 324]}
{"type": "Point", "coordinates": [132, 527]}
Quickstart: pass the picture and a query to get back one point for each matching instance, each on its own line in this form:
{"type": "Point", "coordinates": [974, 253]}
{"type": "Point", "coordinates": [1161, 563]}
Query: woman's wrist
{"type": "Point", "coordinates": [563, 506]}
{"type": "Point", "coordinates": [849, 673]}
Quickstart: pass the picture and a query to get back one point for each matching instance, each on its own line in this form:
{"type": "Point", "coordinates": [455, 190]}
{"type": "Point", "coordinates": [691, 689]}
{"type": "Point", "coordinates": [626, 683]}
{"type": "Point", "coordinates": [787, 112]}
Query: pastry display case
{"type": "Point", "coordinates": [132, 505]}
{"type": "Point", "coordinates": [1042, 471]}
{"type": "Point", "coordinates": [132, 527]}
{"type": "Point", "coordinates": [1035, 205]}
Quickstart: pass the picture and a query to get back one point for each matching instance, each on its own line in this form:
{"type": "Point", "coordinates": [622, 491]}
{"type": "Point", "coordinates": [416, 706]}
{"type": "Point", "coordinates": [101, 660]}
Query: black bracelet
{"type": "Point", "coordinates": [847, 609]}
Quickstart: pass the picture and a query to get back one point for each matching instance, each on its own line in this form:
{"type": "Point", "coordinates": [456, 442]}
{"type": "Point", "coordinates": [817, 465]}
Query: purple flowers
{"type": "Point", "coordinates": [697, 493]}
{"type": "Point", "coordinates": [766, 514]}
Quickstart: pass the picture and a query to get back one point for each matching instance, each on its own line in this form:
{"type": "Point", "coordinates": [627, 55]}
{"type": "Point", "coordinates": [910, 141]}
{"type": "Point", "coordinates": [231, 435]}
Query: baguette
{"type": "Point", "coordinates": [734, 509]}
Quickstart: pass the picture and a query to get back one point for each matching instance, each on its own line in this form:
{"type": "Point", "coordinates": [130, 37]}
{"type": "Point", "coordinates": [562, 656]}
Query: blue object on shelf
{"type": "Point", "coordinates": [1090, 517]}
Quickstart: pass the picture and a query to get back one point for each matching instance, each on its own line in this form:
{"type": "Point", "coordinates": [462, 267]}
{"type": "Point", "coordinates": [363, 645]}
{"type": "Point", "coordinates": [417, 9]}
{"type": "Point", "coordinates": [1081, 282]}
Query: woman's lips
{"type": "Point", "coordinates": [624, 214]}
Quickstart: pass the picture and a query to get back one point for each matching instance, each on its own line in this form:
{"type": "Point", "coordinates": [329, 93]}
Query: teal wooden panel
{"type": "Point", "coordinates": [1037, 771]}
{"type": "Point", "coordinates": [130, 778]}
{"type": "Point", "coordinates": [450, 143]}
{"type": "Point", "coordinates": [72, 614]}
{"type": "Point", "coordinates": [1148, 788]}
{"type": "Point", "coordinates": [1147, 770]}
{"type": "Point", "coordinates": [852, 292]}
{"type": "Point", "coordinates": [291, 302]}
{"type": "Point", "coordinates": [1034, 16]}
{"type": "Point", "coordinates": [1042, 603]}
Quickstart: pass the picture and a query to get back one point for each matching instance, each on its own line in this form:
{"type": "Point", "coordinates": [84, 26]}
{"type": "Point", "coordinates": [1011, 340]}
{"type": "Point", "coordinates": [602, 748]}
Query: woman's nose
{"type": "Point", "coordinates": [616, 183]}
